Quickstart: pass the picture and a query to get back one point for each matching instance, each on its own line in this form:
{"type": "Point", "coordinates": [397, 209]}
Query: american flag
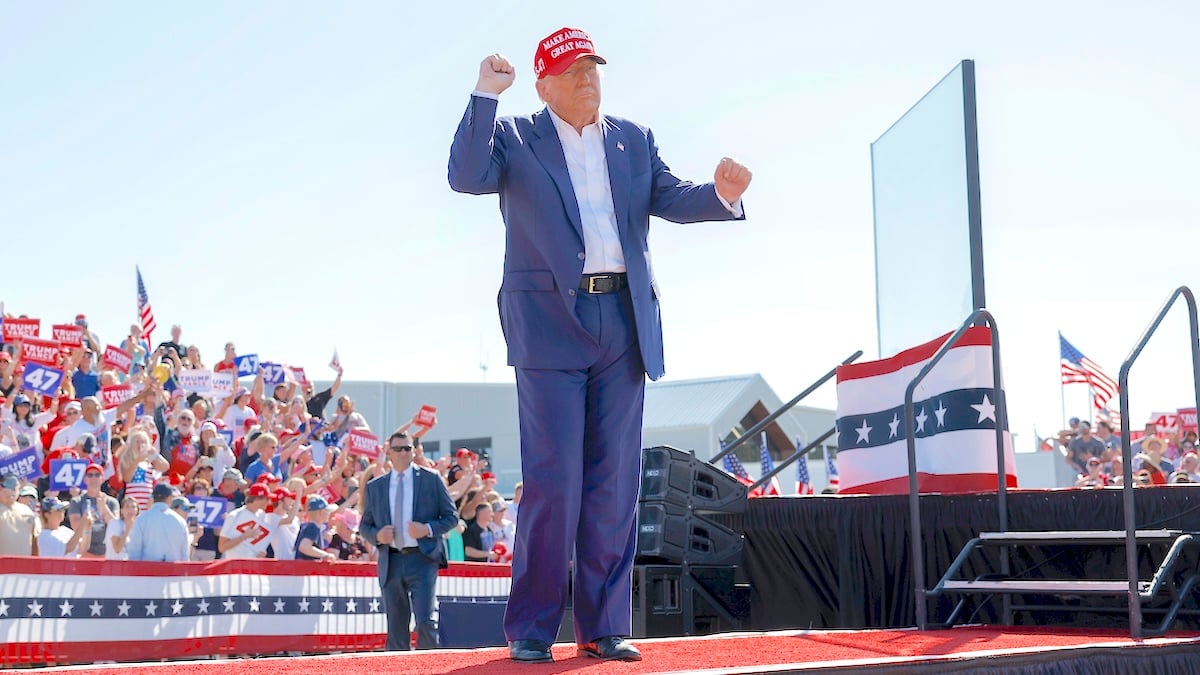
{"type": "Point", "coordinates": [144, 309]}
{"type": "Point", "coordinates": [734, 466]}
{"type": "Point", "coordinates": [1077, 368]}
{"type": "Point", "coordinates": [803, 481]}
{"type": "Point", "coordinates": [831, 470]}
{"type": "Point", "coordinates": [771, 488]}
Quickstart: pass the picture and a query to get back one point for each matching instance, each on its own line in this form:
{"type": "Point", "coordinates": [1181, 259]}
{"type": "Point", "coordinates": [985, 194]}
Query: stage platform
{"type": "Point", "coordinates": [842, 561]}
{"type": "Point", "coordinates": [960, 650]}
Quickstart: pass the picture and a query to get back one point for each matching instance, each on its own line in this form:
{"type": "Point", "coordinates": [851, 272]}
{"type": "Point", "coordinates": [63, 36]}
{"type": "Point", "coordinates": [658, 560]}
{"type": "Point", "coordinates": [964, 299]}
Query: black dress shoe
{"type": "Point", "coordinates": [610, 648]}
{"type": "Point", "coordinates": [529, 651]}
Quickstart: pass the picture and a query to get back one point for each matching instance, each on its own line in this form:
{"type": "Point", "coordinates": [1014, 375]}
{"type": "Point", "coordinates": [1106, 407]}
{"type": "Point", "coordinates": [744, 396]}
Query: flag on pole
{"type": "Point", "coordinates": [771, 488]}
{"type": "Point", "coordinates": [145, 311]}
{"type": "Point", "coordinates": [1077, 368]}
{"type": "Point", "coordinates": [335, 363]}
{"type": "Point", "coordinates": [734, 466]}
{"type": "Point", "coordinates": [831, 470]}
{"type": "Point", "coordinates": [803, 482]}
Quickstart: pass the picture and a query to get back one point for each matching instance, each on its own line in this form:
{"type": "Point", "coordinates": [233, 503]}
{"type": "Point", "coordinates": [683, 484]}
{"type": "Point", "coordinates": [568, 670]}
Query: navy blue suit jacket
{"type": "Point", "coordinates": [431, 504]}
{"type": "Point", "coordinates": [522, 159]}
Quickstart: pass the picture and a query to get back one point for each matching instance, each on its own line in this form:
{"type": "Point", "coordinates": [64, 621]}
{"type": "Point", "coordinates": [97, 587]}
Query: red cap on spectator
{"type": "Point", "coordinates": [463, 452]}
{"type": "Point", "coordinates": [282, 492]}
{"type": "Point", "coordinates": [250, 421]}
{"type": "Point", "coordinates": [267, 478]}
{"type": "Point", "coordinates": [258, 490]}
{"type": "Point", "coordinates": [487, 475]}
{"type": "Point", "coordinates": [557, 51]}
{"type": "Point", "coordinates": [288, 434]}
{"type": "Point", "coordinates": [218, 422]}
{"type": "Point", "coordinates": [94, 467]}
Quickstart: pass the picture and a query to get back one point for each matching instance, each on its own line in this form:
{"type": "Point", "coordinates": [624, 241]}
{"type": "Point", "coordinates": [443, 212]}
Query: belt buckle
{"type": "Point", "coordinates": [592, 282]}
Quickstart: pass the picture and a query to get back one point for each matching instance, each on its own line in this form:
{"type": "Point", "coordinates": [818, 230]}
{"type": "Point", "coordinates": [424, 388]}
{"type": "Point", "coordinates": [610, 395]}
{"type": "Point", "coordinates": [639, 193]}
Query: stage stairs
{"type": "Point", "coordinates": [1166, 592]}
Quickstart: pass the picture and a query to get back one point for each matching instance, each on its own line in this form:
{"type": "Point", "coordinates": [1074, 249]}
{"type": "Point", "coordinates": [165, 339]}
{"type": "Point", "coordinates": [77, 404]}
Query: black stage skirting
{"type": "Point", "coordinates": [842, 561]}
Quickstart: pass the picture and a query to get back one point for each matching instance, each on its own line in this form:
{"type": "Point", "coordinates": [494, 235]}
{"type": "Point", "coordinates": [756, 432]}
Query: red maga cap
{"type": "Point", "coordinates": [557, 51]}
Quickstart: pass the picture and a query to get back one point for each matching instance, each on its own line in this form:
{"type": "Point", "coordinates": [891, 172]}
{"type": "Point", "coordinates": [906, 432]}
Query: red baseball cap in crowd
{"type": "Point", "coordinates": [558, 50]}
{"type": "Point", "coordinates": [94, 467]}
{"type": "Point", "coordinates": [249, 422]}
{"type": "Point", "coordinates": [282, 492]}
{"type": "Point", "coordinates": [463, 452]}
{"type": "Point", "coordinates": [259, 490]}
{"type": "Point", "coordinates": [487, 475]}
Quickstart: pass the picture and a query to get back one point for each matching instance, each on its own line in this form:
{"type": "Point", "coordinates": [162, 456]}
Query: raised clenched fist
{"type": "Point", "coordinates": [496, 74]}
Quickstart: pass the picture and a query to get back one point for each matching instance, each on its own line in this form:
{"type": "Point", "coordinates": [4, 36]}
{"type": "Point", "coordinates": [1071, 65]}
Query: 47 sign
{"type": "Point", "coordinates": [43, 378]}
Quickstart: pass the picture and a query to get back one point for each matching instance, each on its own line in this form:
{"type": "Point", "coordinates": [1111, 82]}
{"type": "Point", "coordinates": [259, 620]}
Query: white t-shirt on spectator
{"type": "Point", "coordinates": [102, 430]}
{"type": "Point", "coordinates": [31, 430]}
{"type": "Point", "coordinates": [283, 537]}
{"type": "Point", "coordinates": [235, 421]}
{"type": "Point", "coordinates": [115, 528]}
{"type": "Point", "coordinates": [235, 524]}
{"type": "Point", "coordinates": [53, 543]}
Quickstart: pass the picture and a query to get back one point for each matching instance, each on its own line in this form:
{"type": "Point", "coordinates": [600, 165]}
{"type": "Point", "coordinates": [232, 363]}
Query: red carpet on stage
{"type": "Point", "coordinates": [958, 649]}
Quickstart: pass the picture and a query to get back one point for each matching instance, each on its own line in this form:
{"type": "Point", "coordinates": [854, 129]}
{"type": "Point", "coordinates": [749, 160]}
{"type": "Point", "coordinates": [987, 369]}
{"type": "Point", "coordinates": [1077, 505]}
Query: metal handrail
{"type": "Point", "coordinates": [798, 454]}
{"type": "Point", "coordinates": [752, 431]}
{"type": "Point", "coordinates": [1135, 603]}
{"type": "Point", "coordinates": [914, 497]}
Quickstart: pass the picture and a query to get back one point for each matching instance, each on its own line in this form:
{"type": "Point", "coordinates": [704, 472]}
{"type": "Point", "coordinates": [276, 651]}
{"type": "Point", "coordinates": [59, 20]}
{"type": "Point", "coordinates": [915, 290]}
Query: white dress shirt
{"type": "Point", "coordinates": [588, 167]}
{"type": "Point", "coordinates": [402, 539]}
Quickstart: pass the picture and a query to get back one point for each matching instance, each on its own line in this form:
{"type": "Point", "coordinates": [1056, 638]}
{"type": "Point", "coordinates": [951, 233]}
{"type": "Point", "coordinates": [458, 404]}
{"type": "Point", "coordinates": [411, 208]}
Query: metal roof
{"type": "Point", "coordinates": [690, 403]}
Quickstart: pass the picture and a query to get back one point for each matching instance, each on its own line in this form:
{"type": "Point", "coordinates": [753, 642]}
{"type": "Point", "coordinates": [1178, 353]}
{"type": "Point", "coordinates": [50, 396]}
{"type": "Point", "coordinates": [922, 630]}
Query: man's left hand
{"type": "Point", "coordinates": [417, 530]}
{"type": "Point", "coordinates": [731, 179]}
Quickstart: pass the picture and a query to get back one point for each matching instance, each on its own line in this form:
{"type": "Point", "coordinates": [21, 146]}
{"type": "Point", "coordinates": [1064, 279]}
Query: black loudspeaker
{"type": "Point", "coordinates": [674, 534]}
{"type": "Point", "coordinates": [677, 477]}
{"type": "Point", "coordinates": [675, 600]}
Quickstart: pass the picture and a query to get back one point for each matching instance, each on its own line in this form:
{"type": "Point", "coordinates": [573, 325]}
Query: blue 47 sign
{"type": "Point", "coordinates": [67, 473]}
{"type": "Point", "coordinates": [247, 365]}
{"type": "Point", "coordinates": [43, 378]}
{"type": "Point", "coordinates": [273, 373]}
{"type": "Point", "coordinates": [210, 511]}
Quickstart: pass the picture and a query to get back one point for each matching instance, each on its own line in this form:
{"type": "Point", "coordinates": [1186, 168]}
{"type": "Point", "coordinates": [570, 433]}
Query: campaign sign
{"type": "Point", "coordinates": [299, 376]}
{"type": "Point", "coordinates": [426, 416]}
{"type": "Point", "coordinates": [20, 329]}
{"type": "Point", "coordinates": [273, 373]}
{"type": "Point", "coordinates": [247, 365]}
{"type": "Point", "coordinates": [118, 359]}
{"type": "Point", "coordinates": [210, 511]}
{"type": "Point", "coordinates": [68, 334]}
{"type": "Point", "coordinates": [1167, 422]}
{"type": "Point", "coordinates": [116, 394]}
{"type": "Point", "coordinates": [365, 443]}
{"type": "Point", "coordinates": [328, 494]}
{"type": "Point", "coordinates": [221, 384]}
{"type": "Point", "coordinates": [1187, 419]}
{"type": "Point", "coordinates": [67, 473]}
{"type": "Point", "coordinates": [24, 464]}
{"type": "Point", "coordinates": [199, 381]}
{"type": "Point", "coordinates": [227, 435]}
{"type": "Point", "coordinates": [41, 351]}
{"type": "Point", "coordinates": [43, 378]}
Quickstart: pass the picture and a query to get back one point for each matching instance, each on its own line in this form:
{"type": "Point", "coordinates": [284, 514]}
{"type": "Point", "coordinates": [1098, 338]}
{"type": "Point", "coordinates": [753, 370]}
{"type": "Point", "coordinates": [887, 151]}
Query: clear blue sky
{"type": "Point", "coordinates": [278, 171]}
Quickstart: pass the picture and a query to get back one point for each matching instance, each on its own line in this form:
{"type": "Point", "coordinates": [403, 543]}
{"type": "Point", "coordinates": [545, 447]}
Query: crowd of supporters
{"type": "Point", "coordinates": [1159, 456]}
{"type": "Point", "coordinates": [273, 458]}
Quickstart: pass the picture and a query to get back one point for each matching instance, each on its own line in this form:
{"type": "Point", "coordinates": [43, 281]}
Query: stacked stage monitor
{"type": "Point", "coordinates": [686, 579]}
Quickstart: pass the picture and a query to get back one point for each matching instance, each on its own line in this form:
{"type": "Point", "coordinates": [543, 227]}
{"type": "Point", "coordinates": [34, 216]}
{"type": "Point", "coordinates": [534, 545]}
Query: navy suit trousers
{"type": "Point", "coordinates": [581, 437]}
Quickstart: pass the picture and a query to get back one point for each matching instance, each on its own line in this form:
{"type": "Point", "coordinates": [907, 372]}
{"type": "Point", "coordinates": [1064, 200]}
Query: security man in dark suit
{"type": "Point", "coordinates": [407, 512]}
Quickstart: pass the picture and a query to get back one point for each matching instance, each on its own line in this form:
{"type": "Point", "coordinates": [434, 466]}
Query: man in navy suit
{"type": "Point", "coordinates": [579, 311]}
{"type": "Point", "coordinates": [407, 511]}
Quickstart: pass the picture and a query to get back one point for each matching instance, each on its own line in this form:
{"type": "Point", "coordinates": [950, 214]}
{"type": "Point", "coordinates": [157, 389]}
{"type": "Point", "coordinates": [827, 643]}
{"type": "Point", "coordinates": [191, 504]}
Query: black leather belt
{"type": "Point", "coordinates": [606, 282]}
{"type": "Point", "coordinates": [407, 550]}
